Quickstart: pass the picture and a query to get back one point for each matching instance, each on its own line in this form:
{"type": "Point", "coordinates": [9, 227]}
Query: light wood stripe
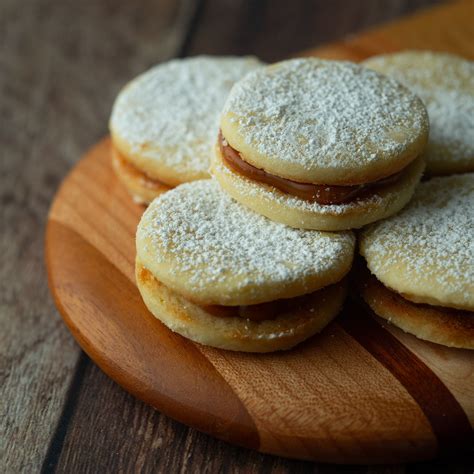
{"type": "Point", "coordinates": [448, 420]}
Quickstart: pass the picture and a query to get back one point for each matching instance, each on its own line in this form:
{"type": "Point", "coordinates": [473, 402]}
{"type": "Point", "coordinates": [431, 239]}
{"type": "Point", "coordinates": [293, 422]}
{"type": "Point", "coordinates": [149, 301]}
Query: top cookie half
{"type": "Point", "coordinates": [326, 122]}
{"type": "Point", "coordinates": [205, 246]}
{"type": "Point", "coordinates": [445, 83]}
{"type": "Point", "coordinates": [165, 121]}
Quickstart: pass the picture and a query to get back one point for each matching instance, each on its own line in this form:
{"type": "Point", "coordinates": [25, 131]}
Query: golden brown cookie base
{"type": "Point", "coordinates": [289, 328]}
{"type": "Point", "coordinates": [446, 326]}
{"type": "Point", "coordinates": [140, 186]}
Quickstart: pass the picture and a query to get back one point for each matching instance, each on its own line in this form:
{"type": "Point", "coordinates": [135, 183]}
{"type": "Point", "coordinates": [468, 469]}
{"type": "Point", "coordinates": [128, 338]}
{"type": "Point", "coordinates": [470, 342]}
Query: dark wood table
{"type": "Point", "coordinates": [61, 65]}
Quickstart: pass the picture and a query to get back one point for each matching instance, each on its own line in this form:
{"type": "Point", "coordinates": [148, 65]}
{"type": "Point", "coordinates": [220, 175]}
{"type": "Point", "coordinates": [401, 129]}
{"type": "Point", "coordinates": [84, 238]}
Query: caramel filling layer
{"type": "Point", "coordinates": [257, 312]}
{"type": "Point", "coordinates": [266, 311]}
{"type": "Point", "coordinates": [320, 193]}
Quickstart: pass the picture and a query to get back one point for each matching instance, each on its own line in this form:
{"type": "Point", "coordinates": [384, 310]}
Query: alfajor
{"type": "Point", "coordinates": [319, 144]}
{"type": "Point", "coordinates": [164, 122]}
{"type": "Point", "coordinates": [445, 83]}
{"type": "Point", "coordinates": [422, 262]}
{"type": "Point", "coordinates": [222, 275]}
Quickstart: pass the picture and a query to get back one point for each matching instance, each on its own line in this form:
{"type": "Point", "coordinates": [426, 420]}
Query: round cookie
{"type": "Point", "coordinates": [164, 122]}
{"type": "Point", "coordinates": [426, 252]}
{"type": "Point", "coordinates": [324, 122]}
{"type": "Point", "coordinates": [445, 83]}
{"type": "Point", "coordinates": [324, 145]}
{"type": "Point", "coordinates": [199, 242]}
{"type": "Point", "coordinates": [290, 325]}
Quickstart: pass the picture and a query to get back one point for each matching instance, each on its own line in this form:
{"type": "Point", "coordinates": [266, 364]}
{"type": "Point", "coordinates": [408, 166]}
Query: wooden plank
{"type": "Point", "coordinates": [274, 30]}
{"type": "Point", "coordinates": [114, 432]}
{"type": "Point", "coordinates": [445, 28]}
{"type": "Point", "coordinates": [121, 434]}
{"type": "Point", "coordinates": [61, 65]}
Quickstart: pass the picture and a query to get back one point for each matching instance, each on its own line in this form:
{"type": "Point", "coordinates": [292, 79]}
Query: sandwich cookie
{"type": "Point", "coordinates": [318, 144]}
{"type": "Point", "coordinates": [164, 122]}
{"type": "Point", "coordinates": [445, 83]}
{"type": "Point", "coordinates": [422, 262]}
{"type": "Point", "coordinates": [221, 275]}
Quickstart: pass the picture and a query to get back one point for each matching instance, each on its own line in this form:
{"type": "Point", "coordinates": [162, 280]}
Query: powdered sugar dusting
{"type": "Point", "coordinates": [171, 112]}
{"type": "Point", "coordinates": [325, 114]}
{"type": "Point", "coordinates": [433, 236]}
{"type": "Point", "coordinates": [208, 235]}
{"type": "Point", "coordinates": [445, 83]}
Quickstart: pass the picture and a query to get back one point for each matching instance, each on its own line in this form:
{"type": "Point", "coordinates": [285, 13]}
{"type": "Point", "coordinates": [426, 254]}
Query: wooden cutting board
{"type": "Point", "coordinates": [361, 392]}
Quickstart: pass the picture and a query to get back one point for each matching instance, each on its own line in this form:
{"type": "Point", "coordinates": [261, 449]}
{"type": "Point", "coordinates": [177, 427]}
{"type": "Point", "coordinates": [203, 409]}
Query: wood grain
{"type": "Point", "coordinates": [136, 438]}
{"type": "Point", "coordinates": [61, 65]}
{"type": "Point", "coordinates": [343, 396]}
{"type": "Point", "coordinates": [450, 423]}
{"type": "Point", "coordinates": [123, 338]}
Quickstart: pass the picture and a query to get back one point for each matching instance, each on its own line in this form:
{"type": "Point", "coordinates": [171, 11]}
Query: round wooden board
{"type": "Point", "coordinates": [358, 393]}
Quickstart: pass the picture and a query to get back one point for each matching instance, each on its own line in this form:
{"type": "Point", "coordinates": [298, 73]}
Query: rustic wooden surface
{"type": "Point", "coordinates": [61, 65]}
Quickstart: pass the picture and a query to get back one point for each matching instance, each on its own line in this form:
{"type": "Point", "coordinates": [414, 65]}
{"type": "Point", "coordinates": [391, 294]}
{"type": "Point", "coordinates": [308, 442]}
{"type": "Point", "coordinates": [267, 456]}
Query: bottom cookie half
{"type": "Point", "coordinates": [266, 327]}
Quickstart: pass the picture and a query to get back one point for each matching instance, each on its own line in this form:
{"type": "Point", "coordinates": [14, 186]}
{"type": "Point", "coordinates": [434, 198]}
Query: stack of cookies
{"type": "Point", "coordinates": [301, 154]}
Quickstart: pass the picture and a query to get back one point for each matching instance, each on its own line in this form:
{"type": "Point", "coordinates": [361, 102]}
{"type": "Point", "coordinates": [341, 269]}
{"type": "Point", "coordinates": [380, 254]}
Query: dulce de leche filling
{"type": "Point", "coordinates": [266, 311]}
{"type": "Point", "coordinates": [304, 304]}
{"type": "Point", "coordinates": [320, 193]}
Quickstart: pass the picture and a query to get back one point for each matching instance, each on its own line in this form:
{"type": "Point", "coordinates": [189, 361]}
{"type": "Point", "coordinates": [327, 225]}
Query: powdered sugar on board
{"type": "Point", "coordinates": [433, 237]}
{"type": "Point", "coordinates": [171, 112]}
{"type": "Point", "coordinates": [325, 114]}
{"type": "Point", "coordinates": [445, 83]}
{"type": "Point", "coordinates": [202, 231]}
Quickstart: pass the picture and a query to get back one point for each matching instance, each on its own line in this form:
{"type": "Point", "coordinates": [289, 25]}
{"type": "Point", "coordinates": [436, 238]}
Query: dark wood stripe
{"type": "Point", "coordinates": [448, 420]}
{"type": "Point", "coordinates": [106, 315]}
